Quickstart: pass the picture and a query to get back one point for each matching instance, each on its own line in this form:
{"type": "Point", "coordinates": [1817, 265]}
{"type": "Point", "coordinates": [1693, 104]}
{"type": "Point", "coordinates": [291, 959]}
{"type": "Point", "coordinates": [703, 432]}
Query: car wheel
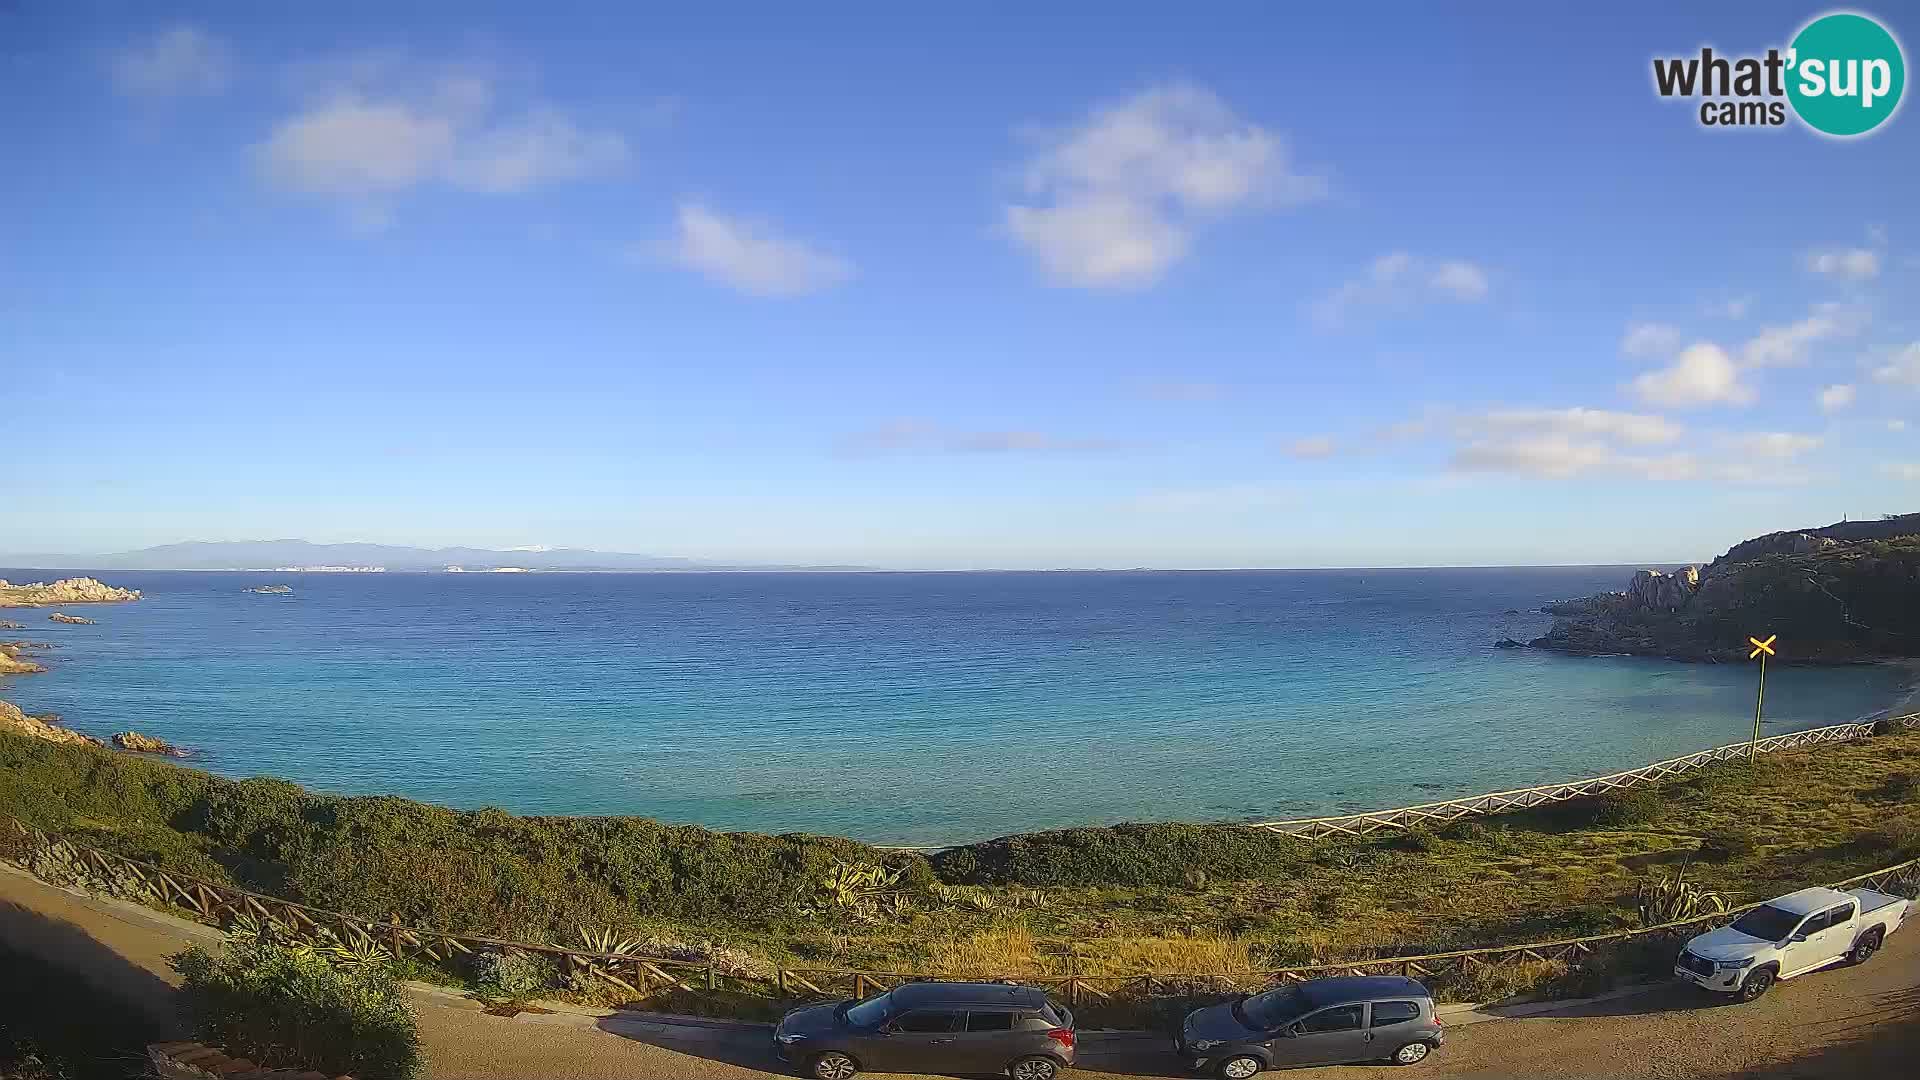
{"type": "Point", "coordinates": [1239, 1068]}
{"type": "Point", "coordinates": [1864, 949]}
{"type": "Point", "coordinates": [832, 1065]}
{"type": "Point", "coordinates": [1412, 1054]}
{"type": "Point", "coordinates": [1757, 983]}
{"type": "Point", "coordinates": [1040, 1067]}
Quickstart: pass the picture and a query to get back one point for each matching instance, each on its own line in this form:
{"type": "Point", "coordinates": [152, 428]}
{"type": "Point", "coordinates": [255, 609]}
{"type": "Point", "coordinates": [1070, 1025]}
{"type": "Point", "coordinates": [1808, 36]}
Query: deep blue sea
{"type": "Point", "coordinates": [903, 708]}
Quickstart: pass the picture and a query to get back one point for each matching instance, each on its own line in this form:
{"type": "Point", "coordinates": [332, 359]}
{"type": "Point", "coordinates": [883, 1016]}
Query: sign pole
{"type": "Point", "coordinates": [1761, 649]}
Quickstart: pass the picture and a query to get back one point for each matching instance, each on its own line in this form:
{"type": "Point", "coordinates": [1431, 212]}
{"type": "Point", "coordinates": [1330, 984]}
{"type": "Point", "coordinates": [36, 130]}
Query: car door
{"type": "Point", "coordinates": [918, 1041]}
{"type": "Point", "coordinates": [988, 1041]}
{"type": "Point", "coordinates": [1834, 938]}
{"type": "Point", "coordinates": [1326, 1037]}
{"type": "Point", "coordinates": [1391, 1025]}
{"type": "Point", "coordinates": [1797, 954]}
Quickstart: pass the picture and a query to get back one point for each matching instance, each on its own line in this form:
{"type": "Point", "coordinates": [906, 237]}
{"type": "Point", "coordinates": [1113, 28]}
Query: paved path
{"type": "Point", "coordinates": [1843, 1023]}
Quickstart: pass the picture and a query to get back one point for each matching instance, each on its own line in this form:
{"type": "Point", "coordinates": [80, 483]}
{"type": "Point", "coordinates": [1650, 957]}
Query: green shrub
{"type": "Point", "coordinates": [512, 975]}
{"type": "Point", "coordinates": [287, 1009]}
{"type": "Point", "coordinates": [1135, 855]}
{"type": "Point", "coordinates": [1417, 839]}
{"type": "Point", "coordinates": [1727, 843]}
{"type": "Point", "coordinates": [1622, 808]}
{"type": "Point", "coordinates": [1900, 787]}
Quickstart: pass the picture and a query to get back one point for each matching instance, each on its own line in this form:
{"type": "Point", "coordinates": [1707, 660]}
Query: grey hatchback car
{"type": "Point", "coordinates": [932, 1027]}
{"type": "Point", "coordinates": [1319, 1022]}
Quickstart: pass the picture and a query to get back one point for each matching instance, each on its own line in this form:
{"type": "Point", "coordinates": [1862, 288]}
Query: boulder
{"type": "Point", "coordinates": [146, 744]}
{"type": "Point", "coordinates": [1656, 591]}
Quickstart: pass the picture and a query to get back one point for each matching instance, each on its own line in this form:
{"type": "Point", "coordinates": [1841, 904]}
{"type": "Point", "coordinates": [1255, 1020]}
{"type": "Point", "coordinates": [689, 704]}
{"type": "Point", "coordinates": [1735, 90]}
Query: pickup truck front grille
{"type": "Point", "coordinates": [1699, 965]}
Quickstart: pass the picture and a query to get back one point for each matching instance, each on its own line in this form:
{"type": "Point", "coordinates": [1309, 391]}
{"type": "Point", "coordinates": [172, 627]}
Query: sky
{"type": "Point", "coordinates": [1070, 285]}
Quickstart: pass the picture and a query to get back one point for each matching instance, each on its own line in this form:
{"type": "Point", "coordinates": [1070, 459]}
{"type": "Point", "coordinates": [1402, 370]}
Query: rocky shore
{"type": "Point", "coordinates": [1846, 593]}
{"type": "Point", "coordinates": [80, 590]}
{"type": "Point", "coordinates": [12, 663]}
{"type": "Point", "coordinates": [40, 727]}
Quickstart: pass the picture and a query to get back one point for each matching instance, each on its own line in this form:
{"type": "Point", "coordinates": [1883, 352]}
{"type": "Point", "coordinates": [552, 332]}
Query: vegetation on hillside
{"type": "Point", "coordinates": [1133, 898]}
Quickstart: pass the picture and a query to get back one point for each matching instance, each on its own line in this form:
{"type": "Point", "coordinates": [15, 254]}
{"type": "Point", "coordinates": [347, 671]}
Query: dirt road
{"type": "Point", "coordinates": [1844, 1023]}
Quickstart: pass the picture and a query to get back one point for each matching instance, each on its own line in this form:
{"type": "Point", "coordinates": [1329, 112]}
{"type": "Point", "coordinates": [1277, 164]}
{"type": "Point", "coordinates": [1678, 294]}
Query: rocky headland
{"type": "Point", "coordinates": [80, 590]}
{"type": "Point", "coordinates": [40, 727]}
{"type": "Point", "coordinates": [1846, 593]}
{"type": "Point", "coordinates": [12, 663]}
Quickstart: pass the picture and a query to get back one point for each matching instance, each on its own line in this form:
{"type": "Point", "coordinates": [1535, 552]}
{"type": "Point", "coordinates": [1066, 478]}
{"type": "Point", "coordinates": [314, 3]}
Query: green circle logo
{"type": "Point", "coordinates": [1845, 74]}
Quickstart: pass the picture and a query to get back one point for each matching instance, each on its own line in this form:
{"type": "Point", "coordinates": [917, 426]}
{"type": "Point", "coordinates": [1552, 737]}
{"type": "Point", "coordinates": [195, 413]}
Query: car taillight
{"type": "Point", "coordinates": [1063, 1036]}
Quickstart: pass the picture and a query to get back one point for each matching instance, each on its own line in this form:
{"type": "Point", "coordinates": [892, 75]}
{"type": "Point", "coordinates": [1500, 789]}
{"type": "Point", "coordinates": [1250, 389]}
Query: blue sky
{"type": "Point", "coordinates": [863, 283]}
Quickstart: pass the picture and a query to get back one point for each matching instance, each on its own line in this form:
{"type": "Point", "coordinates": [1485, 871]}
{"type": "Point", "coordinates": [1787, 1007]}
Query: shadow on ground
{"type": "Point", "coordinates": [73, 1006]}
{"type": "Point", "coordinates": [1883, 1039]}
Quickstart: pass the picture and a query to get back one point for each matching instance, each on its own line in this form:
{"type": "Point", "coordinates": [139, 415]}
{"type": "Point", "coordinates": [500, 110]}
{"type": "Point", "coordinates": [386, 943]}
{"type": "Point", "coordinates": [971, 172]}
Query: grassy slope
{"type": "Point", "coordinates": [1125, 895]}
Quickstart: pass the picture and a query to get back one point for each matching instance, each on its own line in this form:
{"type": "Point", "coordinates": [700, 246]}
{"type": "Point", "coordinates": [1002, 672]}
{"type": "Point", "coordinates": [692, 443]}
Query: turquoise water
{"type": "Point", "coordinates": [903, 708]}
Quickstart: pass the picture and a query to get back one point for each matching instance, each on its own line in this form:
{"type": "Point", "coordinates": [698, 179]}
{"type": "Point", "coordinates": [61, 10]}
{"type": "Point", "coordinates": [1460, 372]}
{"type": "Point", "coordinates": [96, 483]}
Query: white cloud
{"type": "Point", "coordinates": [1782, 346]}
{"type": "Point", "coordinates": [1638, 429]}
{"type": "Point", "coordinates": [1400, 280]}
{"type": "Point", "coordinates": [751, 256]}
{"type": "Point", "coordinates": [1836, 397]}
{"type": "Point", "coordinates": [1902, 470]}
{"type": "Point", "coordinates": [1313, 446]}
{"type": "Point", "coordinates": [1703, 374]}
{"type": "Point", "coordinates": [1650, 339]}
{"type": "Point", "coordinates": [1557, 456]}
{"type": "Point", "coordinates": [911, 436]}
{"type": "Point", "coordinates": [1773, 445]}
{"type": "Point", "coordinates": [1114, 202]}
{"type": "Point", "coordinates": [178, 62]}
{"type": "Point", "coordinates": [1903, 366]}
{"type": "Point", "coordinates": [371, 133]}
{"type": "Point", "coordinates": [1896, 425]}
{"type": "Point", "coordinates": [1852, 264]}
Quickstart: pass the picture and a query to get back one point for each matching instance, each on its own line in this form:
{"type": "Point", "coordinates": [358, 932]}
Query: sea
{"type": "Point", "coordinates": [900, 708]}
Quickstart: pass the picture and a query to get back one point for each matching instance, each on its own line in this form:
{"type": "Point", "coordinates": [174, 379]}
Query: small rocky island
{"type": "Point", "coordinates": [1846, 593]}
{"type": "Point", "coordinates": [71, 620]}
{"type": "Point", "coordinates": [79, 590]}
{"type": "Point", "coordinates": [269, 589]}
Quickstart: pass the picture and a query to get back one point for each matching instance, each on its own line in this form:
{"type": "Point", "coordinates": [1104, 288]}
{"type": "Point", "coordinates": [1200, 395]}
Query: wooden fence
{"type": "Point", "coordinates": [1500, 802]}
{"type": "Point", "coordinates": [62, 862]}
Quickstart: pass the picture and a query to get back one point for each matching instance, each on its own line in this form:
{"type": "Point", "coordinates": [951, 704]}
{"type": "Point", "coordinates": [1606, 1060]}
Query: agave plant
{"type": "Point", "coordinates": [979, 900]}
{"type": "Point", "coordinates": [1674, 899]}
{"type": "Point", "coordinates": [606, 941]}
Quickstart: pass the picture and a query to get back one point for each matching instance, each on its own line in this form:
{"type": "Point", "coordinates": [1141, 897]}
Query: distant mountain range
{"type": "Point", "coordinates": [300, 555]}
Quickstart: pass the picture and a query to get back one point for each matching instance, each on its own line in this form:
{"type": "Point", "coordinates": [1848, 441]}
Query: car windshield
{"type": "Point", "coordinates": [1270, 1010]}
{"type": "Point", "coordinates": [868, 1013]}
{"type": "Point", "coordinates": [1767, 923]}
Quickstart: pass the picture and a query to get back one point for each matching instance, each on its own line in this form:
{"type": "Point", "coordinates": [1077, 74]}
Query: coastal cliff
{"type": "Point", "coordinates": [1845, 593]}
{"type": "Point", "coordinates": [80, 590]}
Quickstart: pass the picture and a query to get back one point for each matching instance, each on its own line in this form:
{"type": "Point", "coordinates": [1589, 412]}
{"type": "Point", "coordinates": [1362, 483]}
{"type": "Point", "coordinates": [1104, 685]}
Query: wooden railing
{"type": "Point", "coordinates": [65, 863]}
{"type": "Point", "coordinates": [1500, 802]}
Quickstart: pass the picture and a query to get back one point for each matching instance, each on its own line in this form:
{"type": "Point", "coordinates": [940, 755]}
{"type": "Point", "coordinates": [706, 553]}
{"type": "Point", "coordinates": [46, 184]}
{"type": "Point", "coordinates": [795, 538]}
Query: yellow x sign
{"type": "Point", "coordinates": [1761, 646]}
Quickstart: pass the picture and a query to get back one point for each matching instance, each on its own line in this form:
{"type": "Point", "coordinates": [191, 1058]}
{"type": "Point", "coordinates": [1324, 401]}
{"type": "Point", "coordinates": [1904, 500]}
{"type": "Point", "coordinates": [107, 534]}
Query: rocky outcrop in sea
{"type": "Point", "coordinates": [1842, 594]}
{"type": "Point", "coordinates": [12, 663]}
{"type": "Point", "coordinates": [71, 620]}
{"type": "Point", "coordinates": [272, 589]}
{"type": "Point", "coordinates": [80, 590]}
{"type": "Point", "coordinates": [146, 744]}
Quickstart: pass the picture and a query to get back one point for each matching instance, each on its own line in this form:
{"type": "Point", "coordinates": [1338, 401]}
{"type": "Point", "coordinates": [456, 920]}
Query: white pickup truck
{"type": "Point", "coordinates": [1790, 935]}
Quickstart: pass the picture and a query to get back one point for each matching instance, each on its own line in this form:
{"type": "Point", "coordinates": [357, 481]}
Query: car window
{"type": "Point", "coordinates": [1394, 1012]}
{"type": "Point", "coordinates": [1343, 1018]}
{"type": "Point", "coordinates": [1767, 923]}
{"type": "Point", "coordinates": [1814, 924]}
{"type": "Point", "coordinates": [928, 1020]}
{"type": "Point", "coordinates": [1839, 916]}
{"type": "Point", "coordinates": [989, 1021]}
